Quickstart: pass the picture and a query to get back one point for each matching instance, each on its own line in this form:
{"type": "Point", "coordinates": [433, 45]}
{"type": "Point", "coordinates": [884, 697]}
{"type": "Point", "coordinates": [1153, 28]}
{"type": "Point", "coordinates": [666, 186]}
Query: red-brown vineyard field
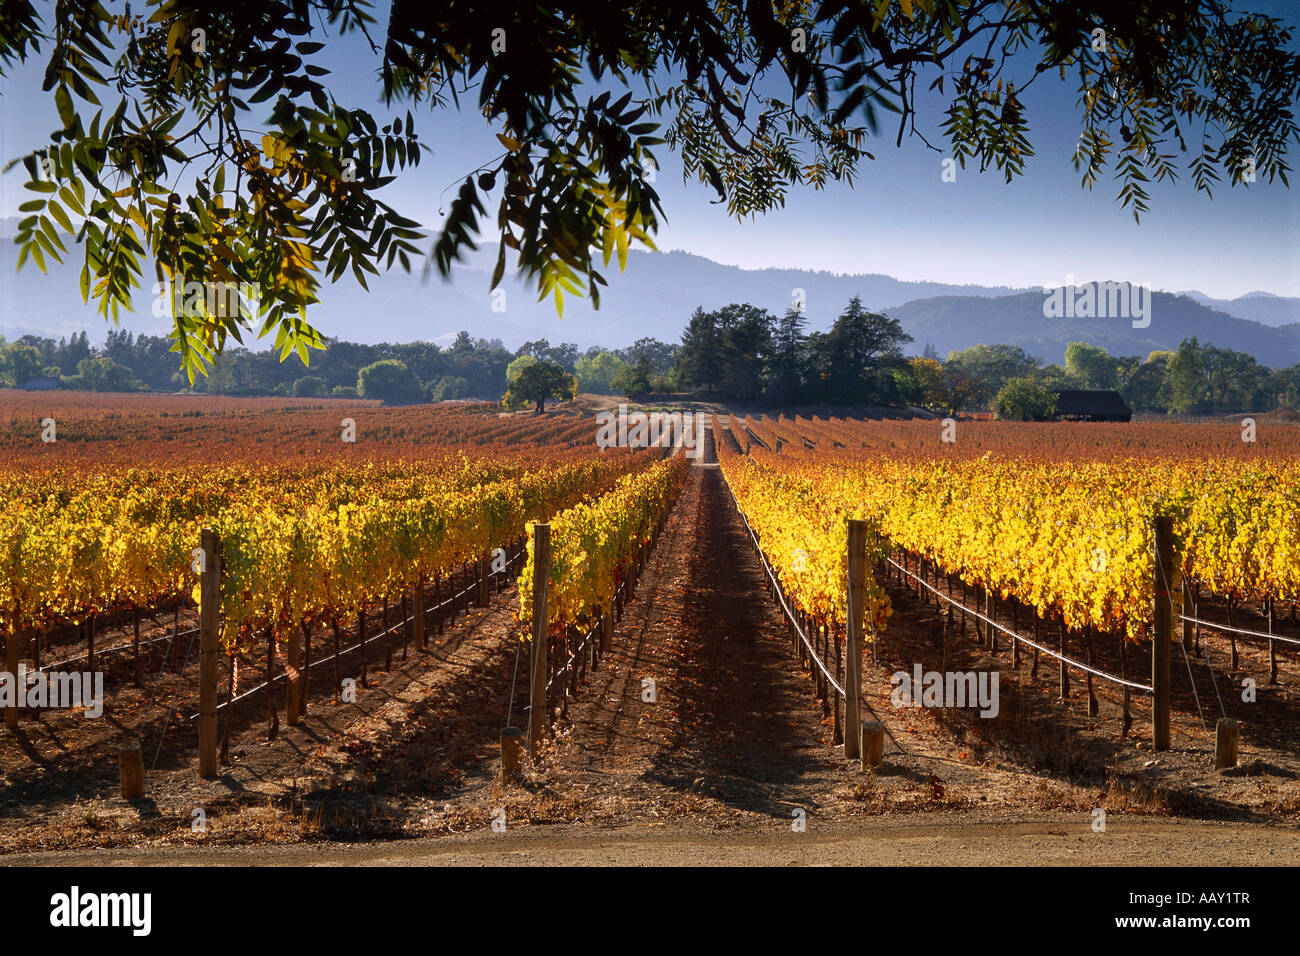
{"type": "Point", "coordinates": [97, 432]}
{"type": "Point", "coordinates": [314, 618]}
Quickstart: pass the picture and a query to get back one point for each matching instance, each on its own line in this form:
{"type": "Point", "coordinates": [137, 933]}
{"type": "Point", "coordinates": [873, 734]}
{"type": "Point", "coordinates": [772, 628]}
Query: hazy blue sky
{"type": "Point", "coordinates": [899, 219]}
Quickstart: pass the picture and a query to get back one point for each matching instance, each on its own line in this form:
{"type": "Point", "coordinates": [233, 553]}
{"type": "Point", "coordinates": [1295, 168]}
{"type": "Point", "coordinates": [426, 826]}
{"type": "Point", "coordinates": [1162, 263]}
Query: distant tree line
{"type": "Point", "coordinates": [743, 352]}
{"type": "Point", "coordinates": [1193, 379]}
{"type": "Point", "coordinates": [736, 352]}
{"type": "Point", "coordinates": [398, 374]}
{"type": "Point", "coordinates": [126, 362]}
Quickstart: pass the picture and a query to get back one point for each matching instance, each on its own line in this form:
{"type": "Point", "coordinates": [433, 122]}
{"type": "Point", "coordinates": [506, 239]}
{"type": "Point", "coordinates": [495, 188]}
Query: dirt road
{"type": "Point", "coordinates": [1057, 839]}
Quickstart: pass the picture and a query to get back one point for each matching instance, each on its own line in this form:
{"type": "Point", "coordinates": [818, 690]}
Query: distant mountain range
{"type": "Point", "coordinates": [1262, 307]}
{"type": "Point", "coordinates": [956, 322]}
{"type": "Point", "coordinates": [657, 293]}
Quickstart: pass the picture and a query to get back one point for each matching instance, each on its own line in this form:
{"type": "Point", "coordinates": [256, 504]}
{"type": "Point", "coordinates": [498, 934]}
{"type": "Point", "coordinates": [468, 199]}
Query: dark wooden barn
{"type": "Point", "coordinates": [1081, 405]}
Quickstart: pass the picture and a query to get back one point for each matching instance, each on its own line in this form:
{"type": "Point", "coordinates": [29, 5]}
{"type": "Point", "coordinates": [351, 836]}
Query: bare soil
{"type": "Point", "coordinates": [727, 756]}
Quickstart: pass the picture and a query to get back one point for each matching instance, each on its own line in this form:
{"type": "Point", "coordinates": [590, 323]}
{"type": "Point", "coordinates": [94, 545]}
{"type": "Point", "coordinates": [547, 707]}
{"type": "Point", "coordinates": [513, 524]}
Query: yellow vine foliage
{"type": "Point", "coordinates": [1070, 538]}
{"type": "Point", "coordinates": [594, 542]}
{"type": "Point", "coordinates": [804, 536]}
{"type": "Point", "coordinates": [295, 543]}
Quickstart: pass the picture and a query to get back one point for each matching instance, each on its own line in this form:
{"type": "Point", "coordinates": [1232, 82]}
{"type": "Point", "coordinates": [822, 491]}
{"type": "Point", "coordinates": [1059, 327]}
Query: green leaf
{"type": "Point", "coordinates": [60, 216]}
{"type": "Point", "coordinates": [361, 276]}
{"type": "Point", "coordinates": [70, 200]}
{"type": "Point", "coordinates": [63, 101]}
{"type": "Point", "coordinates": [500, 269]}
{"type": "Point", "coordinates": [269, 89]}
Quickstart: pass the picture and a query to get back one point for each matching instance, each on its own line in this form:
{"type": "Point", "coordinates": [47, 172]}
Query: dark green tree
{"type": "Point", "coordinates": [788, 365]}
{"type": "Point", "coordinates": [596, 371]}
{"type": "Point", "coordinates": [662, 355]}
{"type": "Point", "coordinates": [1187, 393]}
{"type": "Point", "coordinates": [539, 381]}
{"type": "Point", "coordinates": [633, 380]}
{"type": "Point", "coordinates": [21, 363]}
{"type": "Point", "coordinates": [310, 386]}
{"type": "Point", "coordinates": [102, 374]}
{"type": "Point", "coordinates": [1092, 365]}
{"type": "Point", "coordinates": [1054, 378]}
{"type": "Point", "coordinates": [1288, 385]}
{"type": "Point", "coordinates": [865, 347]}
{"type": "Point", "coordinates": [992, 366]}
{"type": "Point", "coordinates": [391, 382]}
{"type": "Point", "coordinates": [447, 388]}
{"type": "Point", "coordinates": [699, 360]}
{"type": "Point", "coordinates": [1147, 388]}
{"type": "Point", "coordinates": [1024, 400]}
{"type": "Point", "coordinates": [71, 356]}
{"type": "Point", "coordinates": [564, 355]}
{"type": "Point", "coordinates": [746, 332]}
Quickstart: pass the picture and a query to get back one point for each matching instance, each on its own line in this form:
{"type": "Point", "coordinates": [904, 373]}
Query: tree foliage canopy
{"type": "Point", "coordinates": [537, 380]}
{"type": "Point", "coordinates": [596, 372]}
{"type": "Point", "coordinates": [390, 381]}
{"type": "Point", "coordinates": [1024, 400]}
{"type": "Point", "coordinates": [756, 97]}
{"type": "Point", "coordinates": [633, 381]}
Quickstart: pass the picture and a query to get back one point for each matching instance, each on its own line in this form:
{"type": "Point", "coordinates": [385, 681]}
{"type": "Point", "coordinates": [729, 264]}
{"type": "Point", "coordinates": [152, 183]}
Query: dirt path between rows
{"type": "Point", "coordinates": [698, 708]}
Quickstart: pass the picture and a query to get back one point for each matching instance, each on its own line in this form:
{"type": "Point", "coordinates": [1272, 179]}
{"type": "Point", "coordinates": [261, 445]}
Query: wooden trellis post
{"type": "Point", "coordinates": [1162, 631]}
{"type": "Point", "coordinates": [417, 596]}
{"type": "Point", "coordinates": [293, 677]}
{"type": "Point", "coordinates": [209, 622]}
{"type": "Point", "coordinates": [990, 632]}
{"type": "Point", "coordinates": [130, 762]}
{"type": "Point", "coordinates": [1272, 645]}
{"type": "Point", "coordinates": [856, 597]}
{"type": "Point", "coordinates": [306, 669]}
{"type": "Point", "coordinates": [537, 695]}
{"type": "Point", "coordinates": [1227, 734]}
{"type": "Point", "coordinates": [606, 627]}
{"type": "Point", "coordinates": [13, 647]}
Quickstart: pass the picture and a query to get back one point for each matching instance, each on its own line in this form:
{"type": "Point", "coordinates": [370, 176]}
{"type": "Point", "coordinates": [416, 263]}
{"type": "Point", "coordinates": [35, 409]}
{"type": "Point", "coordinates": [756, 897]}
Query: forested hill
{"type": "Point", "coordinates": [951, 323]}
